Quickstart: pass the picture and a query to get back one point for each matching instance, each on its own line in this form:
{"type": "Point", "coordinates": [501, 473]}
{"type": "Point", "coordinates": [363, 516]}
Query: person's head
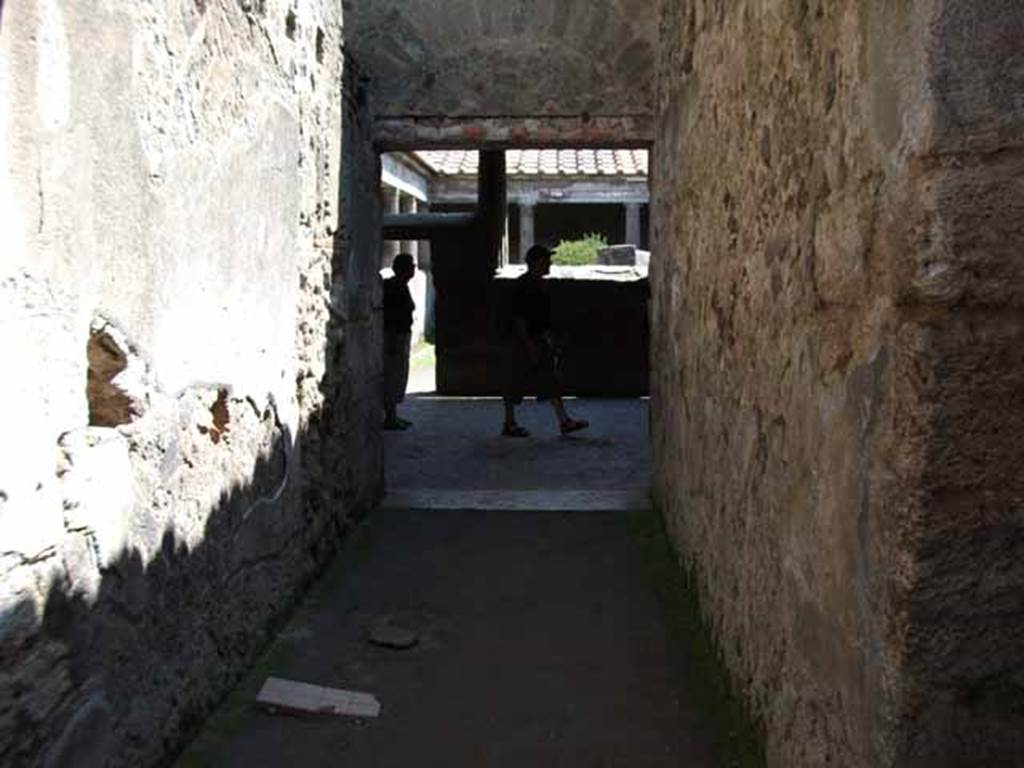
{"type": "Point", "coordinates": [404, 267]}
{"type": "Point", "coordinates": [538, 260]}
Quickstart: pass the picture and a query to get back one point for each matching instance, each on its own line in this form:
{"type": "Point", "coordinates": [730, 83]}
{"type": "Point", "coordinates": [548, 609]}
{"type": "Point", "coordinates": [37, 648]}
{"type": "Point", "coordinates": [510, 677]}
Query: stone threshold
{"type": "Point", "coordinates": [592, 500]}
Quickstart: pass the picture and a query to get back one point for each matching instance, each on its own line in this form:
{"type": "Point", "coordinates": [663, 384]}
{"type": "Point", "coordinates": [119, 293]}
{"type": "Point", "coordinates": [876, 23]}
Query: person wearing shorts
{"type": "Point", "coordinates": [398, 311]}
{"type": "Point", "coordinates": [527, 350]}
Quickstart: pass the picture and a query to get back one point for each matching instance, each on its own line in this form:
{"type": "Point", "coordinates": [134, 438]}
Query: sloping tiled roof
{"type": "Point", "coordinates": [543, 162]}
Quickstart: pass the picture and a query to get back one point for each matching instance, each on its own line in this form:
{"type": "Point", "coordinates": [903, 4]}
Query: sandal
{"type": "Point", "coordinates": [573, 425]}
{"type": "Point", "coordinates": [514, 430]}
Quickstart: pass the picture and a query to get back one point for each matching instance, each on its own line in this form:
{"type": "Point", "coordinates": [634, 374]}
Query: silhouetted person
{"type": "Point", "coordinates": [398, 309]}
{"type": "Point", "coordinates": [528, 352]}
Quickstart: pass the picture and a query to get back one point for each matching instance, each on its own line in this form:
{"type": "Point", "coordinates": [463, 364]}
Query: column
{"type": "Point", "coordinates": [423, 264]}
{"type": "Point", "coordinates": [389, 248]}
{"type": "Point", "coordinates": [633, 224]}
{"type": "Point", "coordinates": [492, 194]}
{"type": "Point", "coordinates": [526, 231]}
{"type": "Point", "coordinates": [407, 204]}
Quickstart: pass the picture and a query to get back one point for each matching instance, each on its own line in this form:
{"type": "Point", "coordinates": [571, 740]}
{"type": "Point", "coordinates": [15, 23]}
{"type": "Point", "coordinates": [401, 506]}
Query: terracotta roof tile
{"type": "Point", "coordinates": [544, 162]}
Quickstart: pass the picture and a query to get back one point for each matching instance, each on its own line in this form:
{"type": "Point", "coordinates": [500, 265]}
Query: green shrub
{"type": "Point", "coordinates": [579, 252]}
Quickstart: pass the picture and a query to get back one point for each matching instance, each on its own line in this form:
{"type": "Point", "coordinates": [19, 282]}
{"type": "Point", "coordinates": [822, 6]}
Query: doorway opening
{"type": "Point", "coordinates": [591, 206]}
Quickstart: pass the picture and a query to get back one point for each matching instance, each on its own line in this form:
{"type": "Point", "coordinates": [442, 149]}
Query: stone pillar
{"type": "Point", "coordinates": [526, 230]}
{"type": "Point", "coordinates": [407, 204]}
{"type": "Point", "coordinates": [633, 224]}
{"type": "Point", "coordinates": [391, 204]}
{"type": "Point", "coordinates": [492, 194]}
{"type": "Point", "coordinates": [428, 308]}
{"type": "Point", "coordinates": [424, 265]}
{"type": "Point", "coordinates": [463, 262]}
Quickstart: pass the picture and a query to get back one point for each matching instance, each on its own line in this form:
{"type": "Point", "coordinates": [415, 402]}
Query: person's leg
{"type": "Point", "coordinates": [392, 381]}
{"type": "Point", "coordinates": [512, 388]}
{"type": "Point", "coordinates": [559, 407]}
{"type": "Point", "coordinates": [510, 414]}
{"type": "Point", "coordinates": [566, 423]}
{"type": "Point", "coordinates": [510, 427]}
{"type": "Point", "coordinates": [402, 382]}
{"type": "Point", "coordinates": [549, 388]}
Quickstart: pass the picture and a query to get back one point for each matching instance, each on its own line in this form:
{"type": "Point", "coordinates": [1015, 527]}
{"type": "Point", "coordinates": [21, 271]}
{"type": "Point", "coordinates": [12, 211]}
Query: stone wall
{"type": "Point", "coordinates": [599, 321]}
{"type": "Point", "coordinates": [527, 57]}
{"type": "Point", "coordinates": [190, 343]}
{"type": "Point", "coordinates": [838, 350]}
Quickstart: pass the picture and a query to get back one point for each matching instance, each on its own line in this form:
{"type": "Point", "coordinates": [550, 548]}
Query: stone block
{"type": "Point", "coordinates": [81, 564]}
{"type": "Point", "coordinates": [974, 235]}
{"type": "Point", "coordinates": [599, 319]}
{"type": "Point", "coordinates": [976, 77]}
{"type": "Point", "coordinates": [617, 256]}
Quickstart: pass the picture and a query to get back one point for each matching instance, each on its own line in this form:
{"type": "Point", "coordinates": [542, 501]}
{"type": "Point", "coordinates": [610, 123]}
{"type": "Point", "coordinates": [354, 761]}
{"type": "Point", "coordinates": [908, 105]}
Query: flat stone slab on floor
{"type": "Point", "coordinates": [307, 699]}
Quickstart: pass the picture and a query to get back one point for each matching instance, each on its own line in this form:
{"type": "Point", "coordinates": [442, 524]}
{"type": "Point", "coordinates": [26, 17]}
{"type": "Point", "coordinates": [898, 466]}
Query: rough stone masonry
{"type": "Point", "coordinates": [455, 71]}
{"type": "Point", "coordinates": [189, 347]}
{"type": "Point", "coordinates": [474, 57]}
{"type": "Point", "coordinates": [838, 282]}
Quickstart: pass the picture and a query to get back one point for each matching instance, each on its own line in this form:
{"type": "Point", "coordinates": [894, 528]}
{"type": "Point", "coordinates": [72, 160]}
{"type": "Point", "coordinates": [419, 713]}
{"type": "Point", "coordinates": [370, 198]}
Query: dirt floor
{"type": "Point", "coordinates": [545, 637]}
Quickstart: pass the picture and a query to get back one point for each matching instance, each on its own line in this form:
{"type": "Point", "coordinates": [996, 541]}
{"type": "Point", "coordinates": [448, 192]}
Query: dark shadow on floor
{"type": "Point", "coordinates": [541, 643]}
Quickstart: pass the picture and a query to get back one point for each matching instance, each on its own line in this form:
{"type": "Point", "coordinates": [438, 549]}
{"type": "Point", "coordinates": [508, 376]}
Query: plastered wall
{"type": "Point", "coordinates": [189, 339]}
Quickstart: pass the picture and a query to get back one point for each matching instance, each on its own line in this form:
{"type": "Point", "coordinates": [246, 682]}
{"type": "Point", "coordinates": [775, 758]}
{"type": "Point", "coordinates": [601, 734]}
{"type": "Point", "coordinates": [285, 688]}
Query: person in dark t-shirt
{"type": "Point", "coordinates": [528, 353]}
{"type": "Point", "coordinates": [398, 310]}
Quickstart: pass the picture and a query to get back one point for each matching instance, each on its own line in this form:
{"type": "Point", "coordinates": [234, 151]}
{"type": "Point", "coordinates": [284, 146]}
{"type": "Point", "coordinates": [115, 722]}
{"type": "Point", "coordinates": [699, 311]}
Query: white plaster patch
{"type": "Point", "coordinates": [30, 521]}
{"type": "Point", "coordinates": [53, 72]}
{"type": "Point", "coordinates": [43, 392]}
{"type": "Point", "coordinates": [99, 490]}
{"type": "Point", "coordinates": [13, 216]}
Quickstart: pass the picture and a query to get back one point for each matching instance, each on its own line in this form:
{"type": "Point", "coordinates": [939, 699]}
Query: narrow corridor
{"type": "Point", "coordinates": [540, 639]}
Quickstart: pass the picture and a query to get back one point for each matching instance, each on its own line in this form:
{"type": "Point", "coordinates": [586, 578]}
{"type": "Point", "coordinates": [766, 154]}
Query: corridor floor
{"type": "Point", "coordinates": [541, 641]}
